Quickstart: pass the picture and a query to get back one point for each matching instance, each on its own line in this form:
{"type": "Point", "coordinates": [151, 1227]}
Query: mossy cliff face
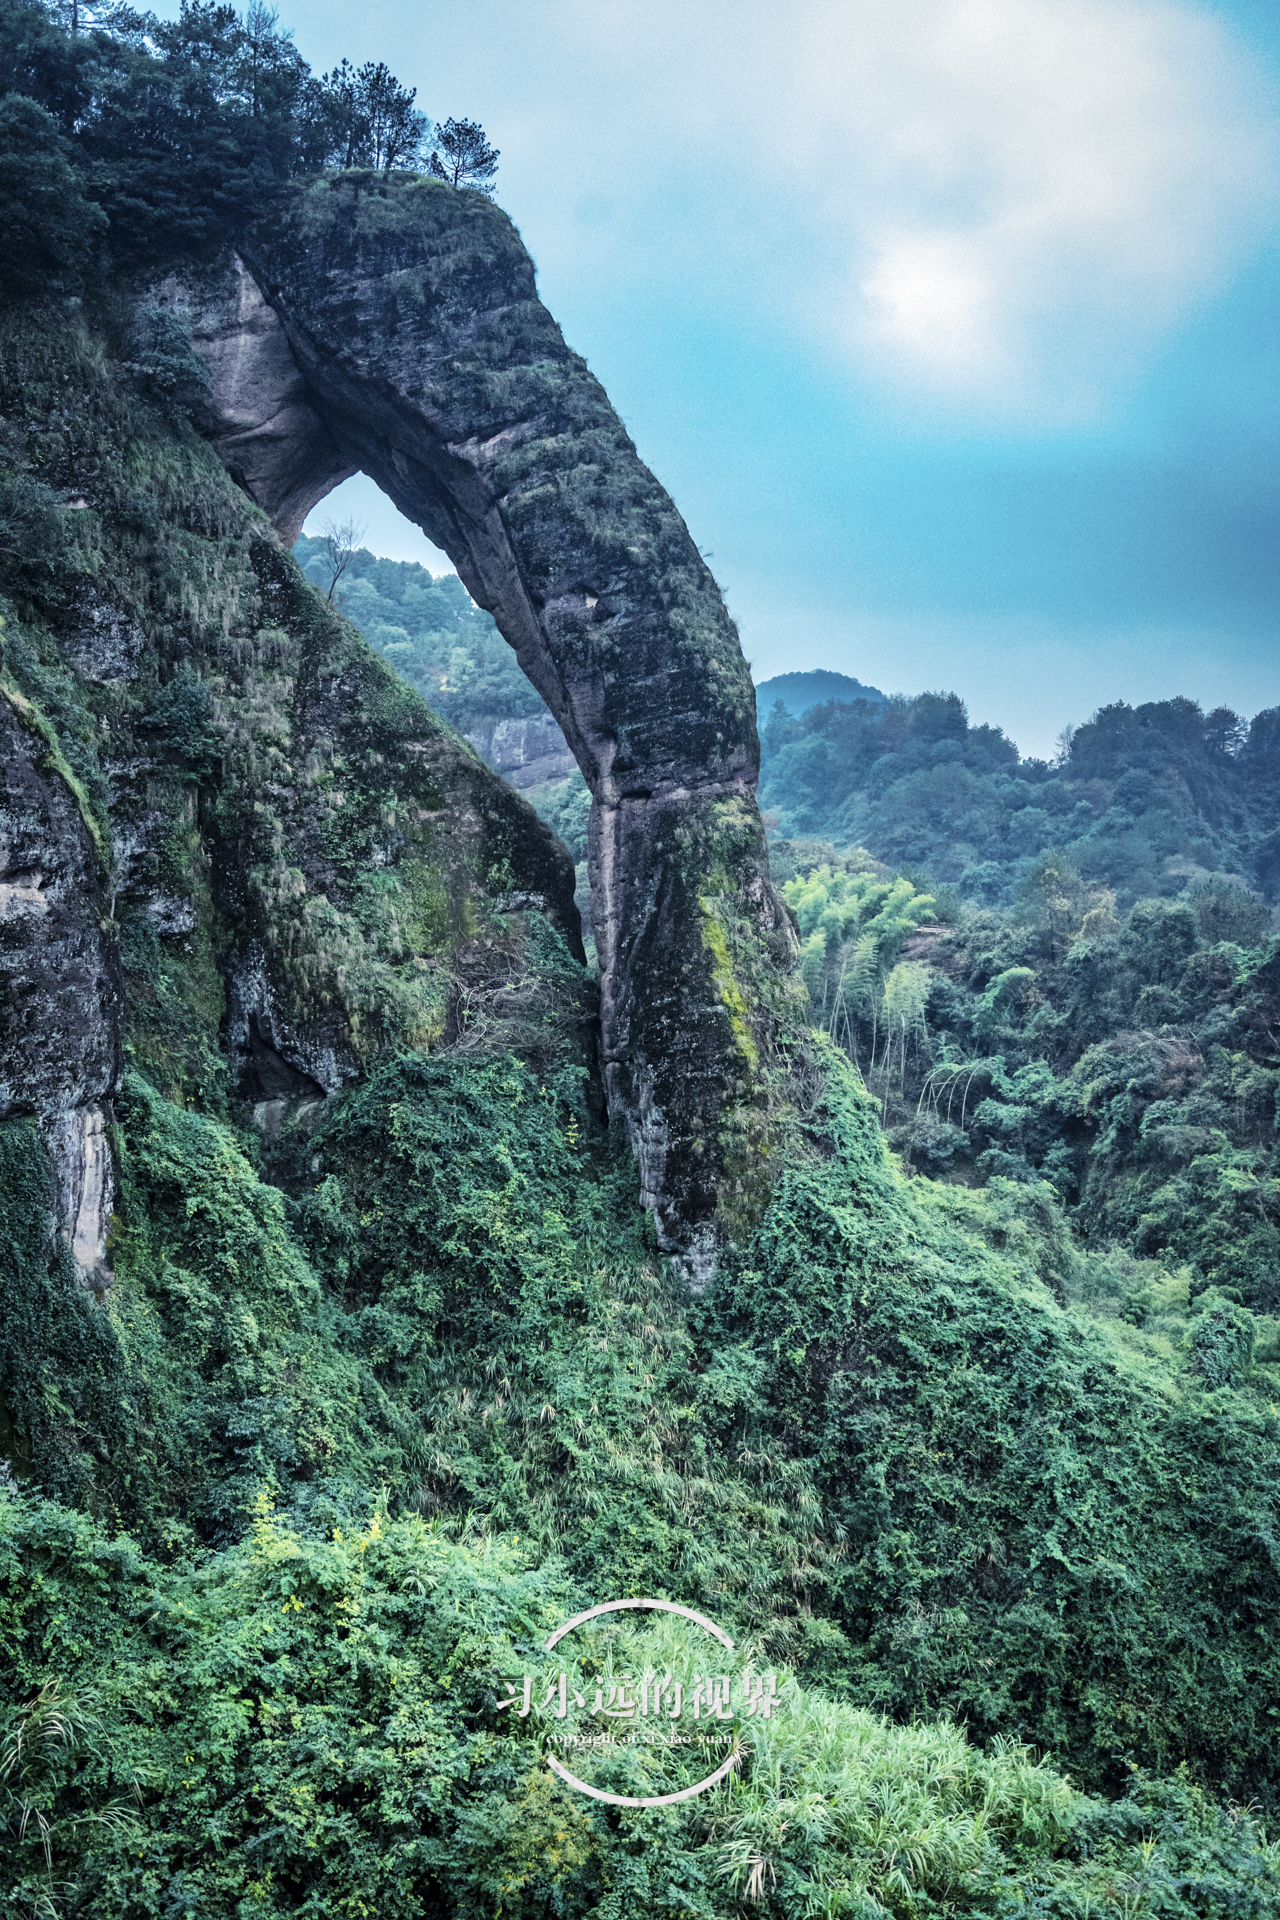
{"type": "Point", "coordinates": [59, 981]}
{"type": "Point", "coordinates": [882, 1448]}
{"type": "Point", "coordinates": [392, 325]}
{"type": "Point", "coordinates": [234, 847]}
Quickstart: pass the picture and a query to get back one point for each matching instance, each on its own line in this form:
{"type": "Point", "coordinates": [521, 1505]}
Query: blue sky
{"type": "Point", "coordinates": [950, 324]}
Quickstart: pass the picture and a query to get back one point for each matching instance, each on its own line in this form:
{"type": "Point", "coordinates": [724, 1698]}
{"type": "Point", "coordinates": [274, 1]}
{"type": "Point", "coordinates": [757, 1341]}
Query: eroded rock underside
{"type": "Point", "coordinates": [392, 325]}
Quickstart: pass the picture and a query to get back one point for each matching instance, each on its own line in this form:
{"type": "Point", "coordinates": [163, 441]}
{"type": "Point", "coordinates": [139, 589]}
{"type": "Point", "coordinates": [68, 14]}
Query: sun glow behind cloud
{"type": "Point", "coordinates": [1005, 201]}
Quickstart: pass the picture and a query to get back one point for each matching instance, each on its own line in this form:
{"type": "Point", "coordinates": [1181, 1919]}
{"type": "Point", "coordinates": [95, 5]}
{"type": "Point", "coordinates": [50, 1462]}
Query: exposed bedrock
{"type": "Point", "coordinates": [418, 352]}
{"type": "Point", "coordinates": [524, 752]}
{"type": "Point", "coordinates": [59, 988]}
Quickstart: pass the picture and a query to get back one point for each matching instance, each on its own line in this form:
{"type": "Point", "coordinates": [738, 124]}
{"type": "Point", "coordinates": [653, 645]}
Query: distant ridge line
{"type": "Point", "coordinates": [800, 691]}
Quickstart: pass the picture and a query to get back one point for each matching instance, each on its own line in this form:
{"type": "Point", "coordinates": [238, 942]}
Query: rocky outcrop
{"type": "Point", "coordinates": [235, 848]}
{"type": "Point", "coordinates": [392, 324]}
{"type": "Point", "coordinates": [258, 416]}
{"type": "Point", "coordinates": [59, 981]}
{"type": "Point", "coordinates": [379, 867]}
{"type": "Point", "coordinates": [525, 752]}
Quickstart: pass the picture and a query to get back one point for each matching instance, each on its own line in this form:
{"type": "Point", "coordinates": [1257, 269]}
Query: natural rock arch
{"type": "Point", "coordinates": [392, 325]}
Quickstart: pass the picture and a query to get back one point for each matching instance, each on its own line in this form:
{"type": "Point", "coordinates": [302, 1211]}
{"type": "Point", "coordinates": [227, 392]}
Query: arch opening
{"type": "Point", "coordinates": [391, 327]}
{"type": "Point", "coordinates": [386, 532]}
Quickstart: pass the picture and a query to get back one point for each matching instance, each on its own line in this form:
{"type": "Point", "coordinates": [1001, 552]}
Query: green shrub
{"type": "Point", "coordinates": [64, 1393]}
{"type": "Point", "coordinates": [307, 1723]}
{"type": "Point", "coordinates": [50, 227]}
{"type": "Point", "coordinates": [1008, 1483]}
{"type": "Point", "coordinates": [1222, 1338]}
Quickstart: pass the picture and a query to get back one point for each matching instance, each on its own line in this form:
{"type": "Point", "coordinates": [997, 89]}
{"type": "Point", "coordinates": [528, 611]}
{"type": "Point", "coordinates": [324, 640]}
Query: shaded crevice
{"type": "Point", "coordinates": [265, 1073]}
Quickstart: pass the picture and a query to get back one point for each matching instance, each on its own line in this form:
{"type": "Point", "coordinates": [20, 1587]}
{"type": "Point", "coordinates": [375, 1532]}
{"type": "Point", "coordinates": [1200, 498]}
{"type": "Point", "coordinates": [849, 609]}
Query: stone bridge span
{"type": "Point", "coordinates": [392, 326]}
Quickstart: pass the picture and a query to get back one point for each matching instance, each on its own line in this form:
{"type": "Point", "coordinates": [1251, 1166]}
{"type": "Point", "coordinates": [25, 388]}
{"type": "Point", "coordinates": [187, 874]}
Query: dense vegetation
{"type": "Point", "coordinates": [1143, 801]}
{"type": "Point", "coordinates": [978, 1449]}
{"type": "Point", "coordinates": [430, 630]}
{"type": "Point", "coordinates": [378, 1431]}
{"type": "Point", "coordinates": [139, 139]}
{"type": "Point", "coordinates": [451, 652]}
{"type": "Point", "coordinates": [1129, 1059]}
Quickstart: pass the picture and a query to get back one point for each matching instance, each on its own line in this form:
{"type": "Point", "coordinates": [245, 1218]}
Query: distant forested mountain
{"type": "Point", "coordinates": [797, 692]}
{"type": "Point", "coordinates": [1144, 800]}
{"type": "Point", "coordinates": [431, 631]}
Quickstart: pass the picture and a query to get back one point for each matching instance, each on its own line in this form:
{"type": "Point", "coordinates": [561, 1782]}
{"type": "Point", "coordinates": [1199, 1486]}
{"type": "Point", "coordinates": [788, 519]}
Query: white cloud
{"type": "Point", "coordinates": [990, 197]}
{"type": "Point", "coordinates": [1007, 202]}
{"type": "Point", "coordinates": [931, 295]}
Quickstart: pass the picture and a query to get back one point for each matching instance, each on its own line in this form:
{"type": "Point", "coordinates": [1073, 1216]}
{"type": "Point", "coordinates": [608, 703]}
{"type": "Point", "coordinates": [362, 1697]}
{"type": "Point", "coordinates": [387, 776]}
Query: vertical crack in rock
{"type": "Point", "coordinates": [392, 325]}
{"type": "Point", "coordinates": [59, 990]}
{"type": "Point", "coordinates": [84, 1185]}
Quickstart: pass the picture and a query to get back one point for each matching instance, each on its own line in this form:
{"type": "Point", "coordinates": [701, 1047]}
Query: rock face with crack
{"type": "Point", "coordinates": [525, 751]}
{"type": "Point", "coordinates": [59, 983]}
{"type": "Point", "coordinates": [392, 325]}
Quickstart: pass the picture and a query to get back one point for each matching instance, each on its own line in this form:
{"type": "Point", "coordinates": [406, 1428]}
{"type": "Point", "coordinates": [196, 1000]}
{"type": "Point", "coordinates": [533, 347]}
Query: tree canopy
{"type": "Point", "coordinates": [1141, 799]}
{"type": "Point", "coordinates": [169, 135]}
{"type": "Point", "coordinates": [462, 155]}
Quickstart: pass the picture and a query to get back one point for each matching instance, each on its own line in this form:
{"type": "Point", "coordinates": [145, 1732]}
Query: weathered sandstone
{"type": "Point", "coordinates": [392, 325]}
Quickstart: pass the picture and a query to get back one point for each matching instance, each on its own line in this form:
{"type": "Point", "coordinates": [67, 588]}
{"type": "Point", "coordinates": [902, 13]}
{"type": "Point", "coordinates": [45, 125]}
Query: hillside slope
{"type": "Point", "coordinates": [370, 1234]}
{"type": "Point", "coordinates": [339, 1360]}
